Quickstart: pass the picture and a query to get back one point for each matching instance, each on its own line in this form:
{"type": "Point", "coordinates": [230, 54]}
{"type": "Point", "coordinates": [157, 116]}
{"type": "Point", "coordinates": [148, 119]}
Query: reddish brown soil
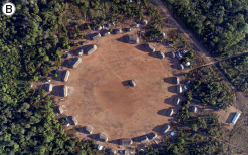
{"type": "Point", "coordinates": [98, 95]}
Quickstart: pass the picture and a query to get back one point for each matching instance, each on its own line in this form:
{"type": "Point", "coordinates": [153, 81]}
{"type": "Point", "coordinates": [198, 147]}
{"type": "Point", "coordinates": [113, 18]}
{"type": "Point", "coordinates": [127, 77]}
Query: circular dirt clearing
{"type": "Point", "coordinates": [98, 95]}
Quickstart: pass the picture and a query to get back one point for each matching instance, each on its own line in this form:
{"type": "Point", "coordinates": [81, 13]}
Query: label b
{"type": "Point", "coordinates": [8, 9]}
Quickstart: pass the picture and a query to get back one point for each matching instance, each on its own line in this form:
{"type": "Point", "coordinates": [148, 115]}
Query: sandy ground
{"type": "Point", "coordinates": [226, 117]}
{"type": "Point", "coordinates": [98, 94]}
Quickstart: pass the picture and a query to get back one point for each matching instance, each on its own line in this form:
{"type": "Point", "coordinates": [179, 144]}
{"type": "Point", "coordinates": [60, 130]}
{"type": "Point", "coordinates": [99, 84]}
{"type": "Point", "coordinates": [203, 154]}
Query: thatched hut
{"type": "Point", "coordinates": [143, 139]}
{"type": "Point", "coordinates": [117, 31]}
{"type": "Point", "coordinates": [102, 137]}
{"type": "Point", "coordinates": [64, 91]}
{"type": "Point", "coordinates": [76, 62]}
{"type": "Point", "coordinates": [179, 89]}
{"type": "Point", "coordinates": [74, 120]}
{"type": "Point", "coordinates": [95, 36]}
{"type": "Point", "coordinates": [98, 28]}
{"type": "Point", "coordinates": [193, 109]}
{"type": "Point", "coordinates": [65, 75]}
{"type": "Point", "coordinates": [105, 33]}
{"type": "Point", "coordinates": [144, 21]}
{"type": "Point", "coordinates": [177, 100]}
{"type": "Point", "coordinates": [170, 112]}
{"type": "Point", "coordinates": [88, 129]}
{"type": "Point", "coordinates": [125, 142]}
{"type": "Point", "coordinates": [132, 83]}
{"type": "Point", "coordinates": [236, 117]}
{"type": "Point", "coordinates": [153, 135]}
{"type": "Point", "coordinates": [112, 151]}
{"type": "Point", "coordinates": [150, 48]}
{"type": "Point", "coordinates": [172, 54]}
{"type": "Point", "coordinates": [132, 39]}
{"type": "Point", "coordinates": [91, 49]}
{"type": "Point", "coordinates": [129, 29]}
{"type": "Point", "coordinates": [161, 55]}
{"type": "Point", "coordinates": [162, 34]}
{"type": "Point", "coordinates": [80, 52]}
{"type": "Point", "coordinates": [166, 128]}
{"type": "Point", "coordinates": [60, 110]}
{"type": "Point", "coordinates": [180, 66]}
{"type": "Point", "coordinates": [176, 80]}
{"type": "Point", "coordinates": [48, 87]}
{"type": "Point", "coordinates": [179, 56]}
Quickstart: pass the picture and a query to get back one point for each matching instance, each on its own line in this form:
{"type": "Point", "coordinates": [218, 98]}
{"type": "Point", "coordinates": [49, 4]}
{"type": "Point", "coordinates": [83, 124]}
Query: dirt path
{"type": "Point", "coordinates": [204, 54]}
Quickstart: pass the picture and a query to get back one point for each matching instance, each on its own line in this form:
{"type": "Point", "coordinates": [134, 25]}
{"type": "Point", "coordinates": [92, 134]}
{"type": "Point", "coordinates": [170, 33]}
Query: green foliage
{"type": "Point", "coordinates": [208, 88]}
{"type": "Point", "coordinates": [235, 69]}
{"type": "Point", "coordinates": [222, 25]}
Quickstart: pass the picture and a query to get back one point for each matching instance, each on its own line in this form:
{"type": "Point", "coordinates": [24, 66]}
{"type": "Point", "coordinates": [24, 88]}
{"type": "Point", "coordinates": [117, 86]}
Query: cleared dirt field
{"type": "Point", "coordinates": [98, 95]}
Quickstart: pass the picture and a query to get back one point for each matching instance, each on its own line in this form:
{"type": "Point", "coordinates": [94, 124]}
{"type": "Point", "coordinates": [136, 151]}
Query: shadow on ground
{"type": "Point", "coordinates": [169, 80]}
{"type": "Point", "coordinates": [142, 47]}
{"type": "Point", "coordinates": [172, 89]}
{"type": "Point", "coordinates": [123, 39]}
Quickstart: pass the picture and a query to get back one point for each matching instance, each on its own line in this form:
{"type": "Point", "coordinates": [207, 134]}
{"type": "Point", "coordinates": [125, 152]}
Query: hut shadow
{"type": "Point", "coordinates": [126, 83]}
{"type": "Point", "coordinates": [88, 36]}
{"type": "Point", "coordinates": [154, 54]}
{"type": "Point", "coordinates": [142, 47]}
{"type": "Point", "coordinates": [122, 39]}
{"type": "Point", "coordinates": [230, 117]}
{"type": "Point", "coordinates": [136, 139]}
{"type": "Point", "coordinates": [179, 74]}
{"type": "Point", "coordinates": [93, 136]}
{"type": "Point", "coordinates": [162, 112]}
{"type": "Point", "coordinates": [59, 75]}
{"type": "Point", "coordinates": [116, 141]}
{"type": "Point", "coordinates": [81, 129]}
{"type": "Point", "coordinates": [67, 63]}
{"type": "Point", "coordinates": [169, 80]}
{"type": "Point", "coordinates": [172, 89]}
{"type": "Point", "coordinates": [56, 91]}
{"type": "Point", "coordinates": [56, 110]}
{"type": "Point", "coordinates": [170, 100]}
{"type": "Point", "coordinates": [158, 129]}
{"type": "Point", "coordinates": [69, 120]}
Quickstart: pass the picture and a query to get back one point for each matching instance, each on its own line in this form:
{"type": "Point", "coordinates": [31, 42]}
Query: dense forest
{"type": "Point", "coordinates": [221, 24]}
{"type": "Point", "coordinates": [235, 69]}
{"type": "Point", "coordinates": [28, 50]}
{"type": "Point", "coordinates": [208, 88]}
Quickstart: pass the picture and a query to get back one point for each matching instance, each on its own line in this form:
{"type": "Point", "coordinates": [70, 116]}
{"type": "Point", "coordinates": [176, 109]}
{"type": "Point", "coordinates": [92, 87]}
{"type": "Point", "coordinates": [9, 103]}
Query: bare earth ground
{"type": "Point", "coordinates": [226, 117]}
{"type": "Point", "coordinates": [98, 95]}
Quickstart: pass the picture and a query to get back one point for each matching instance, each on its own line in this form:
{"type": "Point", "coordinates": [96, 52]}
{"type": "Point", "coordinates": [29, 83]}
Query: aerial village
{"type": "Point", "coordinates": [103, 31]}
